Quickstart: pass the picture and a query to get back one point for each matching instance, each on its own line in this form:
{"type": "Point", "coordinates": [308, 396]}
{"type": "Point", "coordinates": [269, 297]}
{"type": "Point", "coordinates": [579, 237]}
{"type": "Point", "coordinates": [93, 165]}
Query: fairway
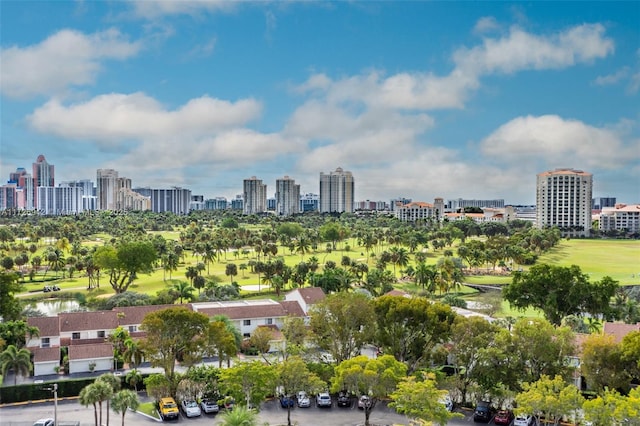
{"type": "Point", "coordinates": [619, 259]}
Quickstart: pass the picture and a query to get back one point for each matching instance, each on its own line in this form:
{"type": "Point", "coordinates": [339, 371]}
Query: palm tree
{"type": "Point", "coordinates": [17, 360]}
{"type": "Point", "coordinates": [239, 416]}
{"type": "Point", "coordinates": [231, 270]}
{"type": "Point", "coordinates": [114, 384]}
{"type": "Point", "coordinates": [94, 394]}
{"type": "Point", "coordinates": [124, 400]}
{"type": "Point", "coordinates": [182, 290]}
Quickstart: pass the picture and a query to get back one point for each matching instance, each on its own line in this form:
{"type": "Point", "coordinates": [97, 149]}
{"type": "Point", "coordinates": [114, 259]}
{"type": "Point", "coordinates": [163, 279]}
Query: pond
{"type": "Point", "coordinates": [52, 307]}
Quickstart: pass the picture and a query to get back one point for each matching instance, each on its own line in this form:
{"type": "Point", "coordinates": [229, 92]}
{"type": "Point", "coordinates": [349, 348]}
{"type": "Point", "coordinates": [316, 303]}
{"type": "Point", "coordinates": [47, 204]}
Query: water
{"type": "Point", "coordinates": [53, 307]}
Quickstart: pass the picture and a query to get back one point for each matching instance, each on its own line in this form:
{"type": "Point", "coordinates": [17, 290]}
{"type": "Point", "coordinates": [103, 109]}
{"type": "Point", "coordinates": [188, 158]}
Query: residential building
{"type": "Point", "coordinates": [106, 189]}
{"type": "Point", "coordinates": [197, 202]}
{"type": "Point", "coordinates": [61, 200]}
{"type": "Point", "coordinates": [43, 175]}
{"type": "Point", "coordinates": [337, 190]}
{"type": "Point", "coordinates": [8, 197]}
{"type": "Point", "coordinates": [563, 199]}
{"type": "Point", "coordinates": [237, 203]}
{"type": "Point", "coordinates": [218, 203]}
{"type": "Point", "coordinates": [89, 199]}
{"type": "Point", "coordinates": [24, 190]}
{"type": "Point", "coordinates": [455, 205]}
{"type": "Point", "coordinates": [309, 203]}
{"type": "Point", "coordinates": [287, 197]}
{"type": "Point", "coordinates": [420, 211]}
{"type": "Point", "coordinates": [621, 217]}
{"type": "Point", "coordinates": [400, 201]}
{"type": "Point", "coordinates": [598, 203]}
{"type": "Point", "coordinates": [371, 205]}
{"type": "Point", "coordinates": [254, 195]}
{"type": "Point", "coordinates": [175, 200]}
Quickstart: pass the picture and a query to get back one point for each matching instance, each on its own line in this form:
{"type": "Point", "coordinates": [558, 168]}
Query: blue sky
{"type": "Point", "coordinates": [416, 99]}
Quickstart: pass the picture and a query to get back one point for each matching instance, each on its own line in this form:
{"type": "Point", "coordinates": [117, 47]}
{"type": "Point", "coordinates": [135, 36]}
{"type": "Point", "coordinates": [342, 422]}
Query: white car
{"type": "Point", "coordinates": [44, 422]}
{"type": "Point", "coordinates": [303, 400]}
{"type": "Point", "coordinates": [191, 408]}
{"type": "Point", "coordinates": [523, 420]}
{"type": "Point", "coordinates": [447, 402]}
{"type": "Point", "coordinates": [209, 406]}
{"type": "Point", "coordinates": [323, 400]}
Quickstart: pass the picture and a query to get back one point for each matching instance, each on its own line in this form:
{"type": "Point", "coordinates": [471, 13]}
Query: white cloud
{"type": "Point", "coordinates": [606, 80]}
{"type": "Point", "coordinates": [486, 24]}
{"type": "Point", "coordinates": [521, 50]}
{"type": "Point", "coordinates": [67, 58]}
{"type": "Point", "coordinates": [115, 117]}
{"type": "Point", "coordinates": [550, 138]}
{"type": "Point", "coordinates": [148, 9]}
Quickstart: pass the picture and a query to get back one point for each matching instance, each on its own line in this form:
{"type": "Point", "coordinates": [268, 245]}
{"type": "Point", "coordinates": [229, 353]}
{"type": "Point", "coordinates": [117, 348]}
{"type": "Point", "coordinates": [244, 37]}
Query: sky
{"type": "Point", "coordinates": [417, 99]}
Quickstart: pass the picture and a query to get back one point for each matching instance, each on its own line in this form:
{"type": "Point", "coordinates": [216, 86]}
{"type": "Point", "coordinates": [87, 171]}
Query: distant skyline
{"type": "Point", "coordinates": [417, 99]}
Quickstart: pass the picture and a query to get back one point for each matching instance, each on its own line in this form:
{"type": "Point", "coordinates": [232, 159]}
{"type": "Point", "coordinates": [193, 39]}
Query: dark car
{"type": "Point", "coordinates": [287, 401]}
{"type": "Point", "coordinates": [484, 412]}
{"type": "Point", "coordinates": [344, 399]}
{"type": "Point", "coordinates": [503, 417]}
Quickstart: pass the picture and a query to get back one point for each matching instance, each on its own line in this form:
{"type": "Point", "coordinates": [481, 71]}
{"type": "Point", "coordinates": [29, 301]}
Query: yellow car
{"type": "Point", "coordinates": [168, 408]}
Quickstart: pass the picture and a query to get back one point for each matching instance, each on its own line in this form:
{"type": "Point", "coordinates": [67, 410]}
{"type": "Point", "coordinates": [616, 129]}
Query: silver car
{"type": "Point", "coordinates": [209, 406]}
{"type": "Point", "coordinates": [323, 400]}
{"type": "Point", "coordinates": [191, 408]}
{"type": "Point", "coordinates": [303, 400]}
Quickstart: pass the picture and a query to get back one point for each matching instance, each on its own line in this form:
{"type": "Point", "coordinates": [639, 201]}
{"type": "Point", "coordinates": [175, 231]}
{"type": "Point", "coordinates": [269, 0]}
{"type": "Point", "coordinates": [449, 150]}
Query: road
{"type": "Point", "coordinates": [271, 414]}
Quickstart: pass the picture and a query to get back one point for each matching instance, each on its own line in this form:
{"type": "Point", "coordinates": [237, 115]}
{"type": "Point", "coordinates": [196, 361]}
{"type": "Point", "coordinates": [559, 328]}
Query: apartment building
{"type": "Point", "coordinates": [563, 199]}
{"type": "Point", "coordinates": [621, 217]}
{"type": "Point", "coordinates": [254, 195]}
{"type": "Point", "coordinates": [337, 190]}
{"type": "Point", "coordinates": [287, 197]}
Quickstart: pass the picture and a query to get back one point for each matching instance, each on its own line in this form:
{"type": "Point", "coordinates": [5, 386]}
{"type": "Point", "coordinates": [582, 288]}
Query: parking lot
{"type": "Point", "coordinates": [271, 413]}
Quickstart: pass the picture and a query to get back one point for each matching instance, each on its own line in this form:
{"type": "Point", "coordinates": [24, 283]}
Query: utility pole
{"type": "Point", "coordinates": [54, 389]}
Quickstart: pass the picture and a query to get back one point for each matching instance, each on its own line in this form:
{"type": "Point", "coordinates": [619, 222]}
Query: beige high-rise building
{"type": "Point", "coordinates": [337, 192]}
{"type": "Point", "coordinates": [287, 197]}
{"type": "Point", "coordinates": [563, 199]}
{"type": "Point", "coordinates": [255, 196]}
{"type": "Point", "coordinates": [106, 189]}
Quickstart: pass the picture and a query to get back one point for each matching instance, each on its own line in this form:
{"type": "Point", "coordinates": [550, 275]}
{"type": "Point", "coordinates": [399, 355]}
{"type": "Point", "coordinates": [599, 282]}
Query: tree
{"type": "Point", "coordinates": [549, 398]}
{"type": "Point", "coordinates": [239, 416]}
{"type": "Point", "coordinates": [421, 399]}
{"type": "Point", "coordinates": [341, 324]}
{"type": "Point", "coordinates": [16, 332]}
{"type": "Point", "coordinates": [611, 409]}
{"type": "Point", "coordinates": [295, 333]}
{"type": "Point", "coordinates": [10, 306]}
{"type": "Point", "coordinates": [294, 376]}
{"type": "Point", "coordinates": [115, 384]}
{"type": "Point", "coordinates": [409, 328]}
{"type": "Point", "coordinates": [124, 261]}
{"type": "Point", "coordinates": [250, 382]}
{"type": "Point", "coordinates": [231, 270]}
{"type": "Point", "coordinates": [377, 378]}
{"type": "Point", "coordinates": [172, 334]}
{"type": "Point", "coordinates": [123, 401]}
{"type": "Point", "coordinates": [559, 291]}
{"type": "Point", "coordinates": [94, 394]}
{"type": "Point", "coordinates": [602, 363]}
{"type": "Point", "coordinates": [16, 360]}
{"type": "Point", "coordinates": [181, 290]}
{"type": "Point", "coordinates": [261, 339]}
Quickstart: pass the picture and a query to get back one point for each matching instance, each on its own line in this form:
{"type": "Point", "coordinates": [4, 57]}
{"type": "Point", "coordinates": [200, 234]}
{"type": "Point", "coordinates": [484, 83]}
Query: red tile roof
{"type": "Point", "coordinates": [246, 311]}
{"type": "Point", "coordinates": [48, 326]}
{"type": "Point", "coordinates": [81, 321]}
{"type": "Point", "coordinates": [618, 330]}
{"type": "Point", "coordinates": [311, 295]}
{"type": "Point", "coordinates": [97, 350]}
{"type": "Point", "coordinates": [45, 354]}
{"type": "Point", "coordinates": [133, 315]}
{"type": "Point", "coordinates": [292, 308]}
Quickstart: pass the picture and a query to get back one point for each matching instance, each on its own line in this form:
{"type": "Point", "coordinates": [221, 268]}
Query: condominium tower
{"type": "Point", "coordinates": [563, 198]}
{"type": "Point", "coordinates": [255, 196]}
{"type": "Point", "coordinates": [287, 197]}
{"type": "Point", "coordinates": [43, 176]}
{"type": "Point", "coordinates": [336, 192]}
{"type": "Point", "coordinates": [106, 189]}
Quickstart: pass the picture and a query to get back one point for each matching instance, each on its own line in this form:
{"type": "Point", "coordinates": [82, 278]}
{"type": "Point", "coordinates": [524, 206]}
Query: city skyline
{"type": "Point", "coordinates": [416, 99]}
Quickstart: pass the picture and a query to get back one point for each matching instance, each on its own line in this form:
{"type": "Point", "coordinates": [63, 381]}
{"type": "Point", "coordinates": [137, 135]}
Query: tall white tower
{"type": "Point", "coordinates": [336, 192]}
{"type": "Point", "coordinates": [287, 196]}
{"type": "Point", "coordinates": [255, 196]}
{"type": "Point", "coordinates": [563, 199]}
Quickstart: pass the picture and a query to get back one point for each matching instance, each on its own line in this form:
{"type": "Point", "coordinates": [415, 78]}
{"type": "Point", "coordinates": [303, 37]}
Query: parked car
{"type": "Point", "coordinates": [344, 399]}
{"type": "Point", "coordinates": [287, 401]}
{"type": "Point", "coordinates": [364, 402]}
{"type": "Point", "coordinates": [323, 399]}
{"type": "Point", "coordinates": [168, 408]}
{"type": "Point", "coordinates": [44, 422]}
{"type": "Point", "coordinates": [523, 420]}
{"type": "Point", "coordinates": [191, 408]}
{"type": "Point", "coordinates": [209, 405]}
{"type": "Point", "coordinates": [303, 400]}
{"type": "Point", "coordinates": [484, 412]}
{"type": "Point", "coordinates": [503, 417]}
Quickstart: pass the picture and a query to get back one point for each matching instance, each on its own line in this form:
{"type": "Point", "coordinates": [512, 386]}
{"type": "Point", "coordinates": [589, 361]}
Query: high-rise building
{"type": "Point", "coordinates": [309, 202]}
{"type": "Point", "coordinates": [218, 203]}
{"type": "Point", "coordinates": [563, 199]}
{"type": "Point", "coordinates": [43, 175]}
{"type": "Point", "coordinates": [255, 196]}
{"type": "Point", "coordinates": [106, 189]}
{"type": "Point", "coordinates": [599, 203]}
{"type": "Point", "coordinates": [336, 192]}
{"type": "Point", "coordinates": [61, 200]}
{"type": "Point", "coordinates": [175, 200]}
{"type": "Point", "coordinates": [287, 197]}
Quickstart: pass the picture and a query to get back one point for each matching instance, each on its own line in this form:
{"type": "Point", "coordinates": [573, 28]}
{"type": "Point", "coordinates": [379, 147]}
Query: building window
{"type": "Point", "coordinates": [246, 322]}
{"type": "Point", "coordinates": [75, 336]}
{"type": "Point", "coordinates": [269, 321]}
{"type": "Point", "coordinates": [45, 342]}
{"type": "Point", "coordinates": [133, 329]}
{"type": "Point", "coordinates": [246, 335]}
{"type": "Point", "coordinates": [101, 334]}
